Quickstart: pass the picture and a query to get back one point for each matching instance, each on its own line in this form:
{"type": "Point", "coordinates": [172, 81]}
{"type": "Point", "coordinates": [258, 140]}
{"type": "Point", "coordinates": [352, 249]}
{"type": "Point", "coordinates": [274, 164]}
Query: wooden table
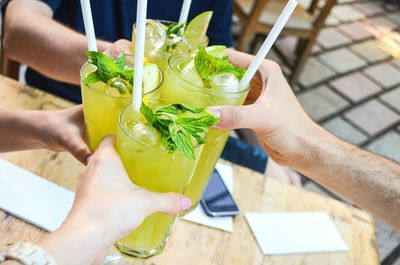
{"type": "Point", "coordinates": [189, 243]}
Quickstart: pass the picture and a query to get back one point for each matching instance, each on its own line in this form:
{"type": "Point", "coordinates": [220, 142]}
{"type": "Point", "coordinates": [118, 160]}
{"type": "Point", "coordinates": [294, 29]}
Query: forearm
{"type": "Point", "coordinates": [34, 38]}
{"type": "Point", "coordinates": [19, 130]}
{"type": "Point", "coordinates": [86, 242]}
{"type": "Point", "coordinates": [370, 181]}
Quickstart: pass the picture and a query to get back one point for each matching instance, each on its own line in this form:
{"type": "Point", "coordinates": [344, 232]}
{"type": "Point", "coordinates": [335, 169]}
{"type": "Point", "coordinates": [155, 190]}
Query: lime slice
{"type": "Point", "coordinates": [216, 50]}
{"type": "Point", "coordinates": [197, 28]}
{"type": "Point", "coordinates": [151, 77]}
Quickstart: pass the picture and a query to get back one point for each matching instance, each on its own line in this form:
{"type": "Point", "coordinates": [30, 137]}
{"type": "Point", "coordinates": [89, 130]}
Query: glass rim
{"type": "Point", "coordinates": [162, 21]}
{"type": "Point", "coordinates": [213, 92]}
{"type": "Point", "coordinates": [87, 63]}
{"type": "Point", "coordinates": [136, 140]}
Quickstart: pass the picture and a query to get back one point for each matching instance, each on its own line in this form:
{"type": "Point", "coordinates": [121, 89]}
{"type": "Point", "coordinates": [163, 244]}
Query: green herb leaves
{"type": "Point", "coordinates": [175, 29]}
{"type": "Point", "coordinates": [182, 133]}
{"type": "Point", "coordinates": [208, 65]}
{"type": "Point", "coordinates": [108, 69]}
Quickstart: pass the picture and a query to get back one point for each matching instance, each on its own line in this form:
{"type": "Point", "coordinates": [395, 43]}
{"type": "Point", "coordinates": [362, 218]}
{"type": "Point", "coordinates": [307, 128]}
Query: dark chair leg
{"type": "Point", "coordinates": [301, 61]}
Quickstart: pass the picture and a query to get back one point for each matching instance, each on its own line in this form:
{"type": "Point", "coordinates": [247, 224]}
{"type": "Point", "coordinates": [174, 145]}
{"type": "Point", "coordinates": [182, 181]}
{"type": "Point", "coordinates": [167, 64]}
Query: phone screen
{"type": "Point", "coordinates": [217, 198]}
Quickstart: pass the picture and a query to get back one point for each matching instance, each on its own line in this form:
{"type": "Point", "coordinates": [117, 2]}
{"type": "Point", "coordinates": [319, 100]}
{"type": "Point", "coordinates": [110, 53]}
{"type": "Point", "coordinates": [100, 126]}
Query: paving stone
{"type": "Point", "coordinates": [369, 8]}
{"type": "Point", "coordinates": [355, 86]}
{"type": "Point", "coordinates": [387, 239]}
{"type": "Point", "coordinates": [371, 51]}
{"type": "Point", "coordinates": [311, 186]}
{"type": "Point", "coordinates": [388, 145]}
{"type": "Point", "coordinates": [372, 117]}
{"type": "Point", "coordinates": [346, 13]}
{"type": "Point", "coordinates": [385, 74]}
{"type": "Point", "coordinates": [392, 98]}
{"type": "Point", "coordinates": [331, 37]}
{"type": "Point", "coordinates": [396, 62]}
{"type": "Point", "coordinates": [345, 131]}
{"type": "Point", "coordinates": [332, 21]}
{"type": "Point", "coordinates": [287, 46]}
{"type": "Point", "coordinates": [342, 60]}
{"type": "Point", "coordinates": [394, 17]}
{"type": "Point", "coordinates": [314, 72]}
{"type": "Point", "coordinates": [321, 102]}
{"type": "Point", "coordinates": [380, 25]}
{"type": "Point", "coordinates": [356, 31]}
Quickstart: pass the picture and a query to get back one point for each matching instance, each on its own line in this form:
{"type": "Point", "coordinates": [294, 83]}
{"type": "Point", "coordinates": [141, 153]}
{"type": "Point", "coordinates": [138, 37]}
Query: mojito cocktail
{"type": "Point", "coordinates": [185, 81]}
{"type": "Point", "coordinates": [166, 38]}
{"type": "Point", "coordinates": [105, 94]}
{"type": "Point", "coordinates": [156, 160]}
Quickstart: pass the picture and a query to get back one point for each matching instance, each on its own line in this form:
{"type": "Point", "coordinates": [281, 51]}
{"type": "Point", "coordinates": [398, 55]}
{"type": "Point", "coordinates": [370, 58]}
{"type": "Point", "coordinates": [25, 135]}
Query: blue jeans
{"type": "Point", "coordinates": [244, 154]}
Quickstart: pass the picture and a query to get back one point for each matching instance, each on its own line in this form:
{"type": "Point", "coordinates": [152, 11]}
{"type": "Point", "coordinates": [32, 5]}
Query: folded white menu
{"type": "Point", "coordinates": [200, 217]}
{"type": "Point", "coordinates": [32, 198]}
{"type": "Point", "coordinates": [293, 233]}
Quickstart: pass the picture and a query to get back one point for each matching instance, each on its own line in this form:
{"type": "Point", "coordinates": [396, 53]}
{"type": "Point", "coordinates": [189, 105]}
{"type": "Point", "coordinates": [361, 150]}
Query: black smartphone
{"type": "Point", "coordinates": [217, 200]}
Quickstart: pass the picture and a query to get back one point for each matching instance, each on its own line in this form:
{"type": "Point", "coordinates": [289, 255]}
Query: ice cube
{"type": "Point", "coordinates": [225, 82]}
{"type": "Point", "coordinates": [118, 87]}
{"type": "Point", "coordinates": [155, 34]}
{"type": "Point", "coordinates": [145, 133]}
{"type": "Point", "coordinates": [189, 73]}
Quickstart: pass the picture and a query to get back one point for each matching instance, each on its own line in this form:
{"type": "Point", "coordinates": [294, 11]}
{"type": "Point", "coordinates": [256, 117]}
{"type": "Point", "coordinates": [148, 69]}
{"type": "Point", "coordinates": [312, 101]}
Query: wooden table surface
{"type": "Point", "coordinates": [190, 243]}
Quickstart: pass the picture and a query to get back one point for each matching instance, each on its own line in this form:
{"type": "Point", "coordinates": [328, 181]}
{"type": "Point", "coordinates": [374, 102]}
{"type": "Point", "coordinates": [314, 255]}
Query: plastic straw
{"type": "Point", "coordinates": [185, 11]}
{"type": "Point", "coordinates": [139, 54]}
{"type": "Point", "coordinates": [88, 22]}
{"type": "Point", "coordinates": [269, 41]}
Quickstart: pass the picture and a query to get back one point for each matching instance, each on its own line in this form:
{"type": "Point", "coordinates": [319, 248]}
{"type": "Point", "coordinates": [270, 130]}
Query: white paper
{"type": "Point", "coordinates": [32, 198]}
{"type": "Point", "coordinates": [293, 233]}
{"type": "Point", "coordinates": [200, 217]}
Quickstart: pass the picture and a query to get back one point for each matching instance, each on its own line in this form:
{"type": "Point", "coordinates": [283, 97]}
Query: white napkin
{"type": "Point", "coordinates": [290, 233]}
{"type": "Point", "coordinates": [32, 198]}
{"type": "Point", "coordinates": [200, 217]}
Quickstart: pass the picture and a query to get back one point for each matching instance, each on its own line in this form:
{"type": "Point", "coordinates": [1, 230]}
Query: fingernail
{"type": "Point", "coordinates": [186, 203]}
{"type": "Point", "coordinates": [216, 111]}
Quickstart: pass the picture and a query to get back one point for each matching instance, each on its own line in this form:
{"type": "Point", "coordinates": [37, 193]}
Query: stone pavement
{"type": "Point", "coordinates": [351, 83]}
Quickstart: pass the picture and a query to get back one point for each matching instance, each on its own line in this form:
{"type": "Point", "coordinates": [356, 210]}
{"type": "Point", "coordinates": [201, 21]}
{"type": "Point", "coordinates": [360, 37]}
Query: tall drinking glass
{"type": "Point", "coordinates": [101, 109]}
{"type": "Point", "coordinates": [171, 173]}
{"type": "Point", "coordinates": [159, 47]}
{"type": "Point", "coordinates": [180, 86]}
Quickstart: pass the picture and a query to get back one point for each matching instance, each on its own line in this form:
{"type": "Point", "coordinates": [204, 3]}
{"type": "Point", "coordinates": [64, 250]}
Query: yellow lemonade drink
{"type": "Point", "coordinates": [103, 100]}
{"type": "Point", "coordinates": [183, 84]}
{"type": "Point", "coordinates": [165, 38]}
{"type": "Point", "coordinates": [151, 166]}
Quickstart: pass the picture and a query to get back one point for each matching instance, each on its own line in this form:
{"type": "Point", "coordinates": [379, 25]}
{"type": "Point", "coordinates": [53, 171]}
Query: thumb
{"type": "Point", "coordinates": [78, 148]}
{"type": "Point", "coordinates": [168, 203]}
{"type": "Point", "coordinates": [235, 117]}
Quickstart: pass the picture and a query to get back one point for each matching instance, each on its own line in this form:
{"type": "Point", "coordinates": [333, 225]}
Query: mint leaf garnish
{"type": "Point", "coordinates": [208, 65]}
{"type": "Point", "coordinates": [180, 134]}
{"type": "Point", "coordinates": [108, 69]}
{"type": "Point", "coordinates": [175, 29]}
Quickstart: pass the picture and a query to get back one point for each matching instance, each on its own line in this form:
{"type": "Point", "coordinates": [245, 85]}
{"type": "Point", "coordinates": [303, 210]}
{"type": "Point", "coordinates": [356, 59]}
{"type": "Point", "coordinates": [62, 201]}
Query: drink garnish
{"type": "Point", "coordinates": [108, 68]}
{"type": "Point", "coordinates": [208, 65]}
{"type": "Point", "coordinates": [180, 133]}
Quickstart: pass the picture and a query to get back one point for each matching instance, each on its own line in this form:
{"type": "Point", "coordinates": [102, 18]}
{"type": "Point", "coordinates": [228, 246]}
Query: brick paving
{"type": "Point", "coordinates": [351, 83]}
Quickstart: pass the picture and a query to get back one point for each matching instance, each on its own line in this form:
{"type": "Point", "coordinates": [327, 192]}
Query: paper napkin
{"type": "Point", "coordinates": [32, 198]}
{"type": "Point", "coordinates": [292, 233]}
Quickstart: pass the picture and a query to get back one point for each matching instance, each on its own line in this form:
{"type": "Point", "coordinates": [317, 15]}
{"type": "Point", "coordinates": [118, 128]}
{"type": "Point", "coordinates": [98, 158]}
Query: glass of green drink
{"type": "Point", "coordinates": [166, 38]}
{"type": "Point", "coordinates": [104, 99]}
{"type": "Point", "coordinates": [182, 81]}
{"type": "Point", "coordinates": [139, 144]}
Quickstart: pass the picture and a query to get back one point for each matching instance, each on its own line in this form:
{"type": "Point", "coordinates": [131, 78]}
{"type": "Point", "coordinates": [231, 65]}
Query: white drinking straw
{"type": "Point", "coordinates": [185, 11]}
{"type": "Point", "coordinates": [139, 54]}
{"type": "Point", "coordinates": [269, 41]}
{"type": "Point", "coordinates": [88, 22]}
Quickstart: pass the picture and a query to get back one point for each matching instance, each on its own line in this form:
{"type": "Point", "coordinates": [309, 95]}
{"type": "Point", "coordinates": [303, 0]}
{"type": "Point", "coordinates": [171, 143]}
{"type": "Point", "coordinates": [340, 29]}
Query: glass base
{"type": "Point", "coordinates": [114, 257]}
{"type": "Point", "coordinates": [139, 255]}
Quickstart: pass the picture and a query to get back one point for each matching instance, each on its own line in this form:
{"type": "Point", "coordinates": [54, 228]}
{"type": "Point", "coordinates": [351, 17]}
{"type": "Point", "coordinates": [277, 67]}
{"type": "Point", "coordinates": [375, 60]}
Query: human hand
{"type": "Point", "coordinates": [276, 116]}
{"type": "Point", "coordinates": [62, 130]}
{"type": "Point", "coordinates": [107, 206]}
{"type": "Point", "coordinates": [119, 46]}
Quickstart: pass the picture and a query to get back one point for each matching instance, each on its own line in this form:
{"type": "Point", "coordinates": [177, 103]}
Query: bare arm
{"type": "Point", "coordinates": [32, 37]}
{"type": "Point", "coordinates": [291, 138]}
